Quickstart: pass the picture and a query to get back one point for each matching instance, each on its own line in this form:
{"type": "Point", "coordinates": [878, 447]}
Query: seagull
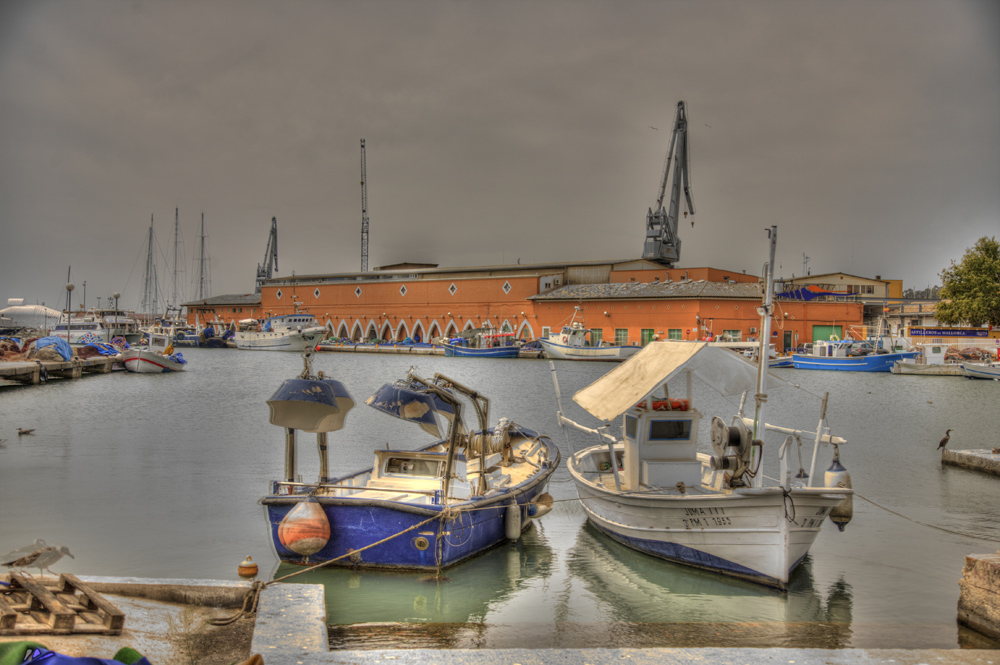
{"type": "Point", "coordinates": [21, 430]}
{"type": "Point", "coordinates": [22, 552]}
{"type": "Point", "coordinates": [944, 441]}
{"type": "Point", "coordinates": [41, 558]}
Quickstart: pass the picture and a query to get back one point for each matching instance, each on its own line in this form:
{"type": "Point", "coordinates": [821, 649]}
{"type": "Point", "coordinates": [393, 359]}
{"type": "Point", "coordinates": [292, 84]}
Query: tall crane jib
{"type": "Point", "coordinates": [266, 270]}
{"type": "Point", "coordinates": [662, 243]}
{"type": "Point", "coordinates": [364, 210]}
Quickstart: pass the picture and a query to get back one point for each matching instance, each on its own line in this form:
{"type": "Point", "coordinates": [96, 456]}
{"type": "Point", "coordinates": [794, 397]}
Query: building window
{"type": "Point", "coordinates": [647, 336]}
{"type": "Point", "coordinates": [621, 336]}
{"type": "Point", "coordinates": [596, 335]}
{"type": "Point", "coordinates": [732, 335]}
{"type": "Point", "coordinates": [675, 333]}
{"type": "Point", "coordinates": [546, 331]}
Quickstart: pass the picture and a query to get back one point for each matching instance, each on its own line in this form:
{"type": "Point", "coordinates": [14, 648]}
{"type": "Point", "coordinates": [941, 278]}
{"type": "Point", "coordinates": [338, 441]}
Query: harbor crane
{"type": "Point", "coordinates": [662, 242]}
{"type": "Point", "coordinates": [270, 264]}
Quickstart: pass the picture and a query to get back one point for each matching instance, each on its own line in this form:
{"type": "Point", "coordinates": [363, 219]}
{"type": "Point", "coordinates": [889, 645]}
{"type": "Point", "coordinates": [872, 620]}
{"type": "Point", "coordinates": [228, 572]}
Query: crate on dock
{"type": "Point", "coordinates": [29, 607]}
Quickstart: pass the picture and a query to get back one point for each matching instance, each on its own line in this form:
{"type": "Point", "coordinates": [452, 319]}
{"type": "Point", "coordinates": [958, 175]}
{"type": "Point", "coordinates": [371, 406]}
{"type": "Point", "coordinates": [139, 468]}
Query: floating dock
{"type": "Point", "coordinates": [36, 371]}
{"type": "Point", "coordinates": [987, 461]}
{"type": "Point", "coordinates": [382, 348]}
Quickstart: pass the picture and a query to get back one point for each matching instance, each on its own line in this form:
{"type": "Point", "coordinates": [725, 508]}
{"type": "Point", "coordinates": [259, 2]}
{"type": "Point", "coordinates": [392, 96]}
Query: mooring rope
{"type": "Point", "coordinates": [931, 526]}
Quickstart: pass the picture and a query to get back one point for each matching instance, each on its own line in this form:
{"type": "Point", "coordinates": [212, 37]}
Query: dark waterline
{"type": "Point", "coordinates": [159, 476]}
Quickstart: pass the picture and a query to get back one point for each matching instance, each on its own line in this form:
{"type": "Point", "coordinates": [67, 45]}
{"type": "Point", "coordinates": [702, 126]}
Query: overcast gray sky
{"type": "Point", "coordinates": [869, 132]}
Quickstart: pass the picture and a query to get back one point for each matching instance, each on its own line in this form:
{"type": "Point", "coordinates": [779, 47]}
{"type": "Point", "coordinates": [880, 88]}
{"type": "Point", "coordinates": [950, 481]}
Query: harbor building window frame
{"type": "Point", "coordinates": [596, 335]}
{"type": "Point", "coordinates": [646, 336]}
{"type": "Point", "coordinates": [621, 336]}
{"type": "Point", "coordinates": [733, 335]}
{"type": "Point", "coordinates": [675, 333]}
{"type": "Point", "coordinates": [546, 331]}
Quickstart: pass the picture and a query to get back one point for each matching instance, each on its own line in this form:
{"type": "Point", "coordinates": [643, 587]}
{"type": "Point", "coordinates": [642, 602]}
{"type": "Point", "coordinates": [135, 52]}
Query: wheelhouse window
{"type": "Point", "coordinates": [406, 466]}
{"type": "Point", "coordinates": [631, 426]}
{"type": "Point", "coordinates": [670, 430]}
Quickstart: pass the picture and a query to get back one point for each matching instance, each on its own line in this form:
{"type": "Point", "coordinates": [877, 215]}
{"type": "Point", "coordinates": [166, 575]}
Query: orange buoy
{"type": "Point", "coordinates": [247, 568]}
{"type": "Point", "coordinates": [305, 529]}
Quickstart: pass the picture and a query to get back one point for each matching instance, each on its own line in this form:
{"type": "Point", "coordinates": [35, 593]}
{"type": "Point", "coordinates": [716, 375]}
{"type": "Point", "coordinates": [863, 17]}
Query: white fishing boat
{"type": "Point", "coordinates": [573, 343]}
{"type": "Point", "coordinates": [156, 356]}
{"type": "Point", "coordinates": [647, 486]}
{"type": "Point", "coordinates": [290, 332]}
{"type": "Point", "coordinates": [990, 371]}
{"type": "Point", "coordinates": [80, 328]}
{"type": "Point", "coordinates": [932, 362]}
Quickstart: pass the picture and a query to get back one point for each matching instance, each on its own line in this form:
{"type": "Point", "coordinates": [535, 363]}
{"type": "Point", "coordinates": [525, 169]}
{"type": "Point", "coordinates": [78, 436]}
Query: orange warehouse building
{"type": "Point", "coordinates": [628, 302]}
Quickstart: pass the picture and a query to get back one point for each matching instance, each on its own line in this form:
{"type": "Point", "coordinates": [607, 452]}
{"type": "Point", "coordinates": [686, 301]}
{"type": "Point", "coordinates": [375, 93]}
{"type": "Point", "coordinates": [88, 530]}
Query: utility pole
{"type": "Point", "coordinates": [364, 211]}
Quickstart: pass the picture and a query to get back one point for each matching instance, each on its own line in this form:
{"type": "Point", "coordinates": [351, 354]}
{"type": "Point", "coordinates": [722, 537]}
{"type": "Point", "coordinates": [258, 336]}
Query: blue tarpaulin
{"type": "Point", "coordinates": [62, 346]}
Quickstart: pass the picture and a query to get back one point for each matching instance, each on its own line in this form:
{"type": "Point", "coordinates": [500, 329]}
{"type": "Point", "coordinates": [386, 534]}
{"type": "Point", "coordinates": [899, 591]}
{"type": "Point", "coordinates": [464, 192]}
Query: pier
{"type": "Point", "coordinates": [37, 371]}
{"type": "Point", "coordinates": [987, 461]}
{"type": "Point", "coordinates": [382, 348]}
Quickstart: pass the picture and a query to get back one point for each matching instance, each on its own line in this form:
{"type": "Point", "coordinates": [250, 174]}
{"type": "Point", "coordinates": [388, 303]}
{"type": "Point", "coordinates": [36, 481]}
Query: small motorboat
{"type": "Point", "coordinates": [156, 357]}
{"type": "Point", "coordinates": [989, 371]}
{"type": "Point", "coordinates": [423, 508]}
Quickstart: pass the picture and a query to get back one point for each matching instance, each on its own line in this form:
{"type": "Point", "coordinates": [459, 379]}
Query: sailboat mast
{"type": "Point", "coordinates": [173, 302]}
{"type": "Point", "coordinates": [201, 261]}
{"type": "Point", "coordinates": [763, 349]}
{"type": "Point", "coordinates": [149, 303]}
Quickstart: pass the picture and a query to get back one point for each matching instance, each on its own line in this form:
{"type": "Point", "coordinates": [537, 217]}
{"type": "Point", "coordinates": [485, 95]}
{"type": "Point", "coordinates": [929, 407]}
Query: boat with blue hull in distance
{"type": "Point", "coordinates": [848, 356]}
{"type": "Point", "coordinates": [483, 344]}
{"type": "Point", "coordinates": [422, 509]}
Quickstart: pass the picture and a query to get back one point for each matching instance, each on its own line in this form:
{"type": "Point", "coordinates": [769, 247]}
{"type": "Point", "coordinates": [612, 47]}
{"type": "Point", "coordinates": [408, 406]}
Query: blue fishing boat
{"type": "Point", "coordinates": [485, 344]}
{"type": "Point", "coordinates": [844, 355]}
{"type": "Point", "coordinates": [422, 508]}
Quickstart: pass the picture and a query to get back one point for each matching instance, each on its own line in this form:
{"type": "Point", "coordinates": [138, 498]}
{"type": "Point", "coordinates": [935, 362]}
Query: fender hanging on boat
{"type": "Point", "coordinates": [305, 529]}
{"type": "Point", "coordinates": [838, 477]}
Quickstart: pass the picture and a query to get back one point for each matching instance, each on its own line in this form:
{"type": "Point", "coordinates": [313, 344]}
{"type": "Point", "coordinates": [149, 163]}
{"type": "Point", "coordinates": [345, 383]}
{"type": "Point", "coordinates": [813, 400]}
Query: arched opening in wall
{"type": "Point", "coordinates": [342, 333]}
{"type": "Point", "coordinates": [505, 327]}
{"type": "Point", "coordinates": [469, 325]}
{"type": "Point", "coordinates": [434, 333]}
{"type": "Point", "coordinates": [386, 335]}
{"type": "Point", "coordinates": [371, 333]}
{"type": "Point", "coordinates": [358, 334]}
{"type": "Point", "coordinates": [418, 333]}
{"type": "Point", "coordinates": [402, 333]}
{"type": "Point", "coordinates": [525, 332]}
{"type": "Point", "coordinates": [451, 330]}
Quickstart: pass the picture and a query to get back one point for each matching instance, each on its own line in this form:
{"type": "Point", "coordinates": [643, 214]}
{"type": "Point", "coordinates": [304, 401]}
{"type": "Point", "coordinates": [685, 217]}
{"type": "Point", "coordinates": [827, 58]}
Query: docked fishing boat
{"type": "Point", "coordinates": [750, 350]}
{"type": "Point", "coordinates": [289, 332]}
{"type": "Point", "coordinates": [649, 488]}
{"type": "Point", "coordinates": [933, 361]}
{"type": "Point", "coordinates": [849, 356]}
{"type": "Point", "coordinates": [81, 328]}
{"type": "Point", "coordinates": [483, 344]}
{"type": "Point", "coordinates": [982, 370]}
{"type": "Point", "coordinates": [573, 343]}
{"type": "Point", "coordinates": [155, 357]}
{"type": "Point", "coordinates": [423, 508]}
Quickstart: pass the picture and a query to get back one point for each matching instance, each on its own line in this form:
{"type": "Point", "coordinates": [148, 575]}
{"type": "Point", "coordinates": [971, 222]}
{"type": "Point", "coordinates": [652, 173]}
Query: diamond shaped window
{"type": "Point", "coordinates": [357, 292]}
{"type": "Point", "coordinates": [277, 294]}
{"type": "Point", "coordinates": [402, 290]}
{"type": "Point", "coordinates": [316, 293]}
{"type": "Point", "coordinates": [507, 287]}
{"type": "Point", "coordinates": [452, 289]}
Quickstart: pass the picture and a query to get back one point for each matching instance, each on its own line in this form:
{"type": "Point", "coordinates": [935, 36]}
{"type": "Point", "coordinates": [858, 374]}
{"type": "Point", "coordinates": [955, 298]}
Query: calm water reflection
{"type": "Point", "coordinates": [159, 476]}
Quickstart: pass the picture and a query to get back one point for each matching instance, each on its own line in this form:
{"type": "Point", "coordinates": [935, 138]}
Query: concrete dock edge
{"type": "Point", "coordinates": [977, 460]}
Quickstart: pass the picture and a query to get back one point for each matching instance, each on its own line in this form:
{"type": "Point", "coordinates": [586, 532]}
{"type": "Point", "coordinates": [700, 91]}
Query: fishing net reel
{"type": "Point", "coordinates": [731, 446]}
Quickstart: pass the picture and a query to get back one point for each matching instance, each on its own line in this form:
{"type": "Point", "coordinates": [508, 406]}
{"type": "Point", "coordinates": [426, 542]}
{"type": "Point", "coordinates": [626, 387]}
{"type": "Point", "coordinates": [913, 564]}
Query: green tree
{"type": "Point", "coordinates": [971, 289]}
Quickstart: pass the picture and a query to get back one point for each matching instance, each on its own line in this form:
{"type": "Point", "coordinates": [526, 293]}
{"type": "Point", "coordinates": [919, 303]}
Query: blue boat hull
{"type": "Point", "coordinates": [882, 362]}
{"type": "Point", "coordinates": [495, 352]}
{"type": "Point", "coordinates": [471, 527]}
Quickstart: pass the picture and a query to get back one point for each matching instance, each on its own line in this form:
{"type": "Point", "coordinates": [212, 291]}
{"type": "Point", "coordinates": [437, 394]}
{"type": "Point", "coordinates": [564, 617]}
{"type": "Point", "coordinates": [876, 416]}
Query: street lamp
{"type": "Point", "coordinates": [69, 307]}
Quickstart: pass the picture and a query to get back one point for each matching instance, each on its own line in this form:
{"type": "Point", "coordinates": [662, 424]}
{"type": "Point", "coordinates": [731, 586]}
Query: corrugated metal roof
{"type": "Point", "coordinates": [656, 290]}
{"type": "Point", "coordinates": [238, 299]}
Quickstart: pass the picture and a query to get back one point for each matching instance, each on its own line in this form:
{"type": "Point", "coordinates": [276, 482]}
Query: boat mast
{"type": "Point", "coordinates": [763, 352]}
{"type": "Point", "coordinates": [149, 302]}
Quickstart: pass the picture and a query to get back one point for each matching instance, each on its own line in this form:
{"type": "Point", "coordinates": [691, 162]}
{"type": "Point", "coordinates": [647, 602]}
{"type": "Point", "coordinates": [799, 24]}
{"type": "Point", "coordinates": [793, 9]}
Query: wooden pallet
{"type": "Point", "coordinates": [68, 608]}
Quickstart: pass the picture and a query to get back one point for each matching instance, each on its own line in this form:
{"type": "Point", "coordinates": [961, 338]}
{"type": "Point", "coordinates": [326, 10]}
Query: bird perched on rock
{"type": "Point", "coordinates": [944, 441]}
{"type": "Point", "coordinates": [21, 431]}
{"type": "Point", "coordinates": [41, 558]}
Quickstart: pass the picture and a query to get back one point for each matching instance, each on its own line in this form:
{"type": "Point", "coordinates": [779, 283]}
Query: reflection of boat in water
{"type": "Point", "coordinates": [466, 593]}
{"type": "Point", "coordinates": [642, 590]}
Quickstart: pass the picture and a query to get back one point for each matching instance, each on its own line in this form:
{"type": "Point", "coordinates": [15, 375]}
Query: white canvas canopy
{"type": "Point", "coordinates": [32, 316]}
{"type": "Point", "coordinates": [635, 379]}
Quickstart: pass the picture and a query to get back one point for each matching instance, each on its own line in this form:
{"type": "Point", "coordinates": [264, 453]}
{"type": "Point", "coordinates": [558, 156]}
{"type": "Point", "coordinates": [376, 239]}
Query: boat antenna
{"type": "Point", "coordinates": [765, 311]}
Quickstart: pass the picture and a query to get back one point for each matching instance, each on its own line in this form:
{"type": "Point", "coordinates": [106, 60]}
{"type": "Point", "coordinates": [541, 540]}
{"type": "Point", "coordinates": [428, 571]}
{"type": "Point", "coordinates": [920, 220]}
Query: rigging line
{"type": "Point", "coordinates": [932, 526]}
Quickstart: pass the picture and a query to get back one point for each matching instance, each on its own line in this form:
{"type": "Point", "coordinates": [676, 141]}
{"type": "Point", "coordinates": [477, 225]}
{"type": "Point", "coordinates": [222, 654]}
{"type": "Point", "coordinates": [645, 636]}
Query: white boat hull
{"type": "Point", "coordinates": [566, 352]}
{"type": "Point", "coordinates": [910, 367]}
{"type": "Point", "coordinates": [749, 533]}
{"type": "Point", "coordinates": [982, 371]}
{"type": "Point", "coordinates": [141, 361]}
{"type": "Point", "coordinates": [280, 341]}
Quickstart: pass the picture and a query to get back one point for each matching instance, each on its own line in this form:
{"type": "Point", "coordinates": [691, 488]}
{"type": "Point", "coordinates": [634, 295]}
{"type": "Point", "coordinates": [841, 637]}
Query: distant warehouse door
{"type": "Point", "coordinates": [825, 332]}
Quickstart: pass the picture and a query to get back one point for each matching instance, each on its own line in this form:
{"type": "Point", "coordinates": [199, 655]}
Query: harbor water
{"type": "Point", "coordinates": [159, 476]}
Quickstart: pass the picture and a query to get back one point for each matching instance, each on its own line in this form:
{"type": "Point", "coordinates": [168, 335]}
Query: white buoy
{"type": "Point", "coordinates": [838, 477]}
{"type": "Point", "coordinates": [512, 521]}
